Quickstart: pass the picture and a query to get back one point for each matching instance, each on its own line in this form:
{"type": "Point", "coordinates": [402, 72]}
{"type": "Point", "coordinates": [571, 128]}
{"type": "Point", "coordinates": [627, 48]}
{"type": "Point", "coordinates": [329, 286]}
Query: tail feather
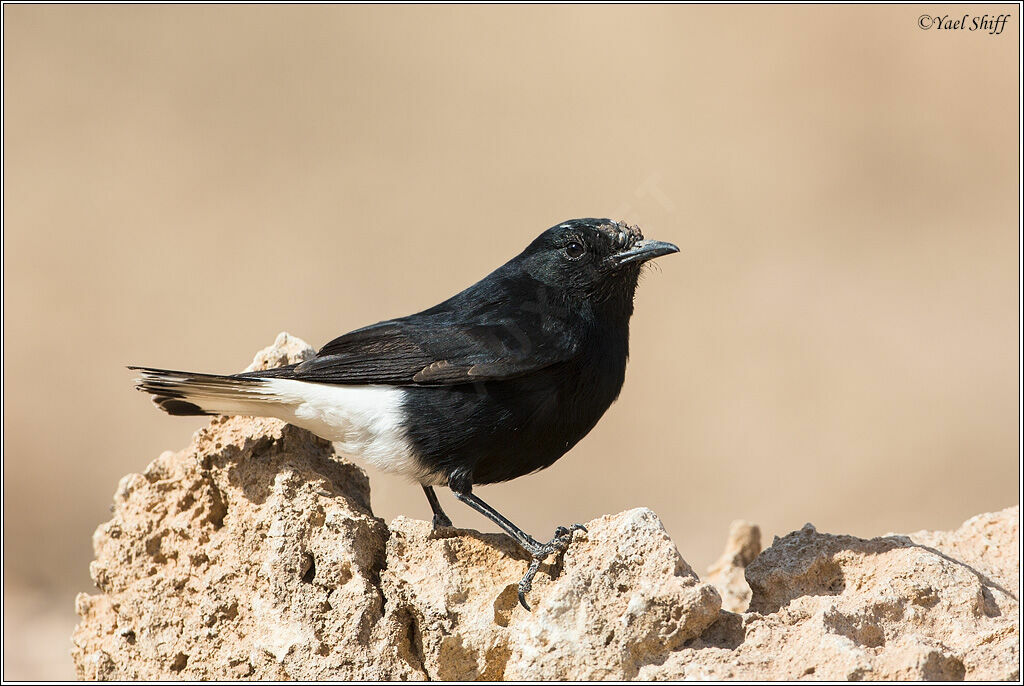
{"type": "Point", "coordinates": [191, 393]}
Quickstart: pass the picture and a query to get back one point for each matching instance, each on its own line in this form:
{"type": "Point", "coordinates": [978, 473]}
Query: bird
{"type": "Point", "coordinates": [496, 382]}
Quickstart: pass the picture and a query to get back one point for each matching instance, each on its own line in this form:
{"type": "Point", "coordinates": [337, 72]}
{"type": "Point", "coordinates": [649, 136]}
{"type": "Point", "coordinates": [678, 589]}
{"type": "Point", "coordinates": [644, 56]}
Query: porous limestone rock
{"type": "Point", "coordinates": [228, 559]}
{"type": "Point", "coordinates": [827, 606]}
{"type": "Point", "coordinates": [287, 349]}
{"type": "Point", "coordinates": [727, 574]}
{"type": "Point", "coordinates": [254, 554]}
{"type": "Point", "coordinates": [621, 597]}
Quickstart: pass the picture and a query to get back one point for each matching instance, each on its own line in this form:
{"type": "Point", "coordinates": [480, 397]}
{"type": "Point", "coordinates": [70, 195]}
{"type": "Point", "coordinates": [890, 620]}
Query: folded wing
{"type": "Point", "coordinates": [435, 352]}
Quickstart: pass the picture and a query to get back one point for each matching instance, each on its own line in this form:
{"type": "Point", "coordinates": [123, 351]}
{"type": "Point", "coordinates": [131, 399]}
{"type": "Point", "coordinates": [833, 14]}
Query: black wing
{"type": "Point", "coordinates": [504, 326]}
{"type": "Point", "coordinates": [430, 351]}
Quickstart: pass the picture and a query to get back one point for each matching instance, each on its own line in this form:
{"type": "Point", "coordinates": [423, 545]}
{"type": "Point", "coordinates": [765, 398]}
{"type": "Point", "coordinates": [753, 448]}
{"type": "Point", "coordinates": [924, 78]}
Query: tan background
{"type": "Point", "coordinates": [836, 343]}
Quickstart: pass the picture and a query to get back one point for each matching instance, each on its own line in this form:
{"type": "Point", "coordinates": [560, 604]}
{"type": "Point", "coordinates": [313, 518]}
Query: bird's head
{"type": "Point", "coordinates": [592, 259]}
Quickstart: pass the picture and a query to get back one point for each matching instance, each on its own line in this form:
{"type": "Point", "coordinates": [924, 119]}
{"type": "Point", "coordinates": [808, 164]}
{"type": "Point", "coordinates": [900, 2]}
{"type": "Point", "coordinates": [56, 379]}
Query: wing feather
{"type": "Point", "coordinates": [434, 354]}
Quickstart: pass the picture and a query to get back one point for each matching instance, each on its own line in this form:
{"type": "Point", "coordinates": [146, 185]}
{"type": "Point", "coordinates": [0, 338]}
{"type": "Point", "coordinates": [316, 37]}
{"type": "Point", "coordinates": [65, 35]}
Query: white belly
{"type": "Point", "coordinates": [364, 422]}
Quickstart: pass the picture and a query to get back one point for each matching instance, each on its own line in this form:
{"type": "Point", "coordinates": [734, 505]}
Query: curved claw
{"type": "Point", "coordinates": [526, 583]}
{"type": "Point", "coordinates": [560, 543]}
{"type": "Point", "coordinates": [522, 600]}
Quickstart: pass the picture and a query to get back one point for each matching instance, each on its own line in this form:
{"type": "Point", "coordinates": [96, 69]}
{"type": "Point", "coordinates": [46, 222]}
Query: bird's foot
{"type": "Point", "coordinates": [441, 521]}
{"type": "Point", "coordinates": [558, 544]}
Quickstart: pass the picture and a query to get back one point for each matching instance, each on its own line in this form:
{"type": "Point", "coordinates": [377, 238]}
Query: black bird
{"type": "Point", "coordinates": [496, 382]}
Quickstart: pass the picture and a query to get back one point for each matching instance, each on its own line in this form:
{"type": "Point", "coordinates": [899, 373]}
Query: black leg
{"type": "Point", "coordinates": [528, 542]}
{"type": "Point", "coordinates": [440, 518]}
{"type": "Point", "coordinates": [538, 551]}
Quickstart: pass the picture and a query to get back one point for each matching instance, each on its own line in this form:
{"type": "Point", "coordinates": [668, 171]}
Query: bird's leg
{"type": "Point", "coordinates": [537, 550]}
{"type": "Point", "coordinates": [560, 543]}
{"type": "Point", "coordinates": [440, 518]}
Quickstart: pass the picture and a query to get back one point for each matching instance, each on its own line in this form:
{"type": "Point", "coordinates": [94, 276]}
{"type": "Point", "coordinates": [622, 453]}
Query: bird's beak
{"type": "Point", "coordinates": [641, 252]}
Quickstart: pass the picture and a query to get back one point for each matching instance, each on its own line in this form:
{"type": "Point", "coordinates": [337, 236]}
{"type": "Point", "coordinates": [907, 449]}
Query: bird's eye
{"type": "Point", "coordinates": [574, 250]}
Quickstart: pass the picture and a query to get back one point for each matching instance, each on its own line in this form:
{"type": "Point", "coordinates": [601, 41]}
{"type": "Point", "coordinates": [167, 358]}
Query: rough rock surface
{"type": "Point", "coordinates": [254, 554]}
{"type": "Point", "coordinates": [937, 606]}
{"type": "Point", "coordinates": [728, 573]}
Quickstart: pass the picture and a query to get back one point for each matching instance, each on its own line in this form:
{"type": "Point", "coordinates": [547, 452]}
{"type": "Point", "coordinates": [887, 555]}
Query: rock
{"type": "Point", "coordinates": [287, 349]}
{"type": "Point", "coordinates": [829, 606]}
{"type": "Point", "coordinates": [989, 543]}
{"type": "Point", "coordinates": [254, 554]}
{"type": "Point", "coordinates": [222, 560]}
{"type": "Point", "coordinates": [727, 574]}
{"type": "Point", "coordinates": [621, 597]}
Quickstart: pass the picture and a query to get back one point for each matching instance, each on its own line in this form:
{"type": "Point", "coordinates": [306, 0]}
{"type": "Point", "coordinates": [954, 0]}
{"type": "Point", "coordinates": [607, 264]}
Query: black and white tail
{"type": "Point", "coordinates": [191, 393]}
{"type": "Point", "coordinates": [365, 421]}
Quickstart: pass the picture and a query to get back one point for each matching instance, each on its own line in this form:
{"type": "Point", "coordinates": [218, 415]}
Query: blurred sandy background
{"type": "Point", "coordinates": [837, 342]}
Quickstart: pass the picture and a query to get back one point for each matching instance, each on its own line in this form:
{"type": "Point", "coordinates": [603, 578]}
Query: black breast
{"type": "Point", "coordinates": [499, 430]}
